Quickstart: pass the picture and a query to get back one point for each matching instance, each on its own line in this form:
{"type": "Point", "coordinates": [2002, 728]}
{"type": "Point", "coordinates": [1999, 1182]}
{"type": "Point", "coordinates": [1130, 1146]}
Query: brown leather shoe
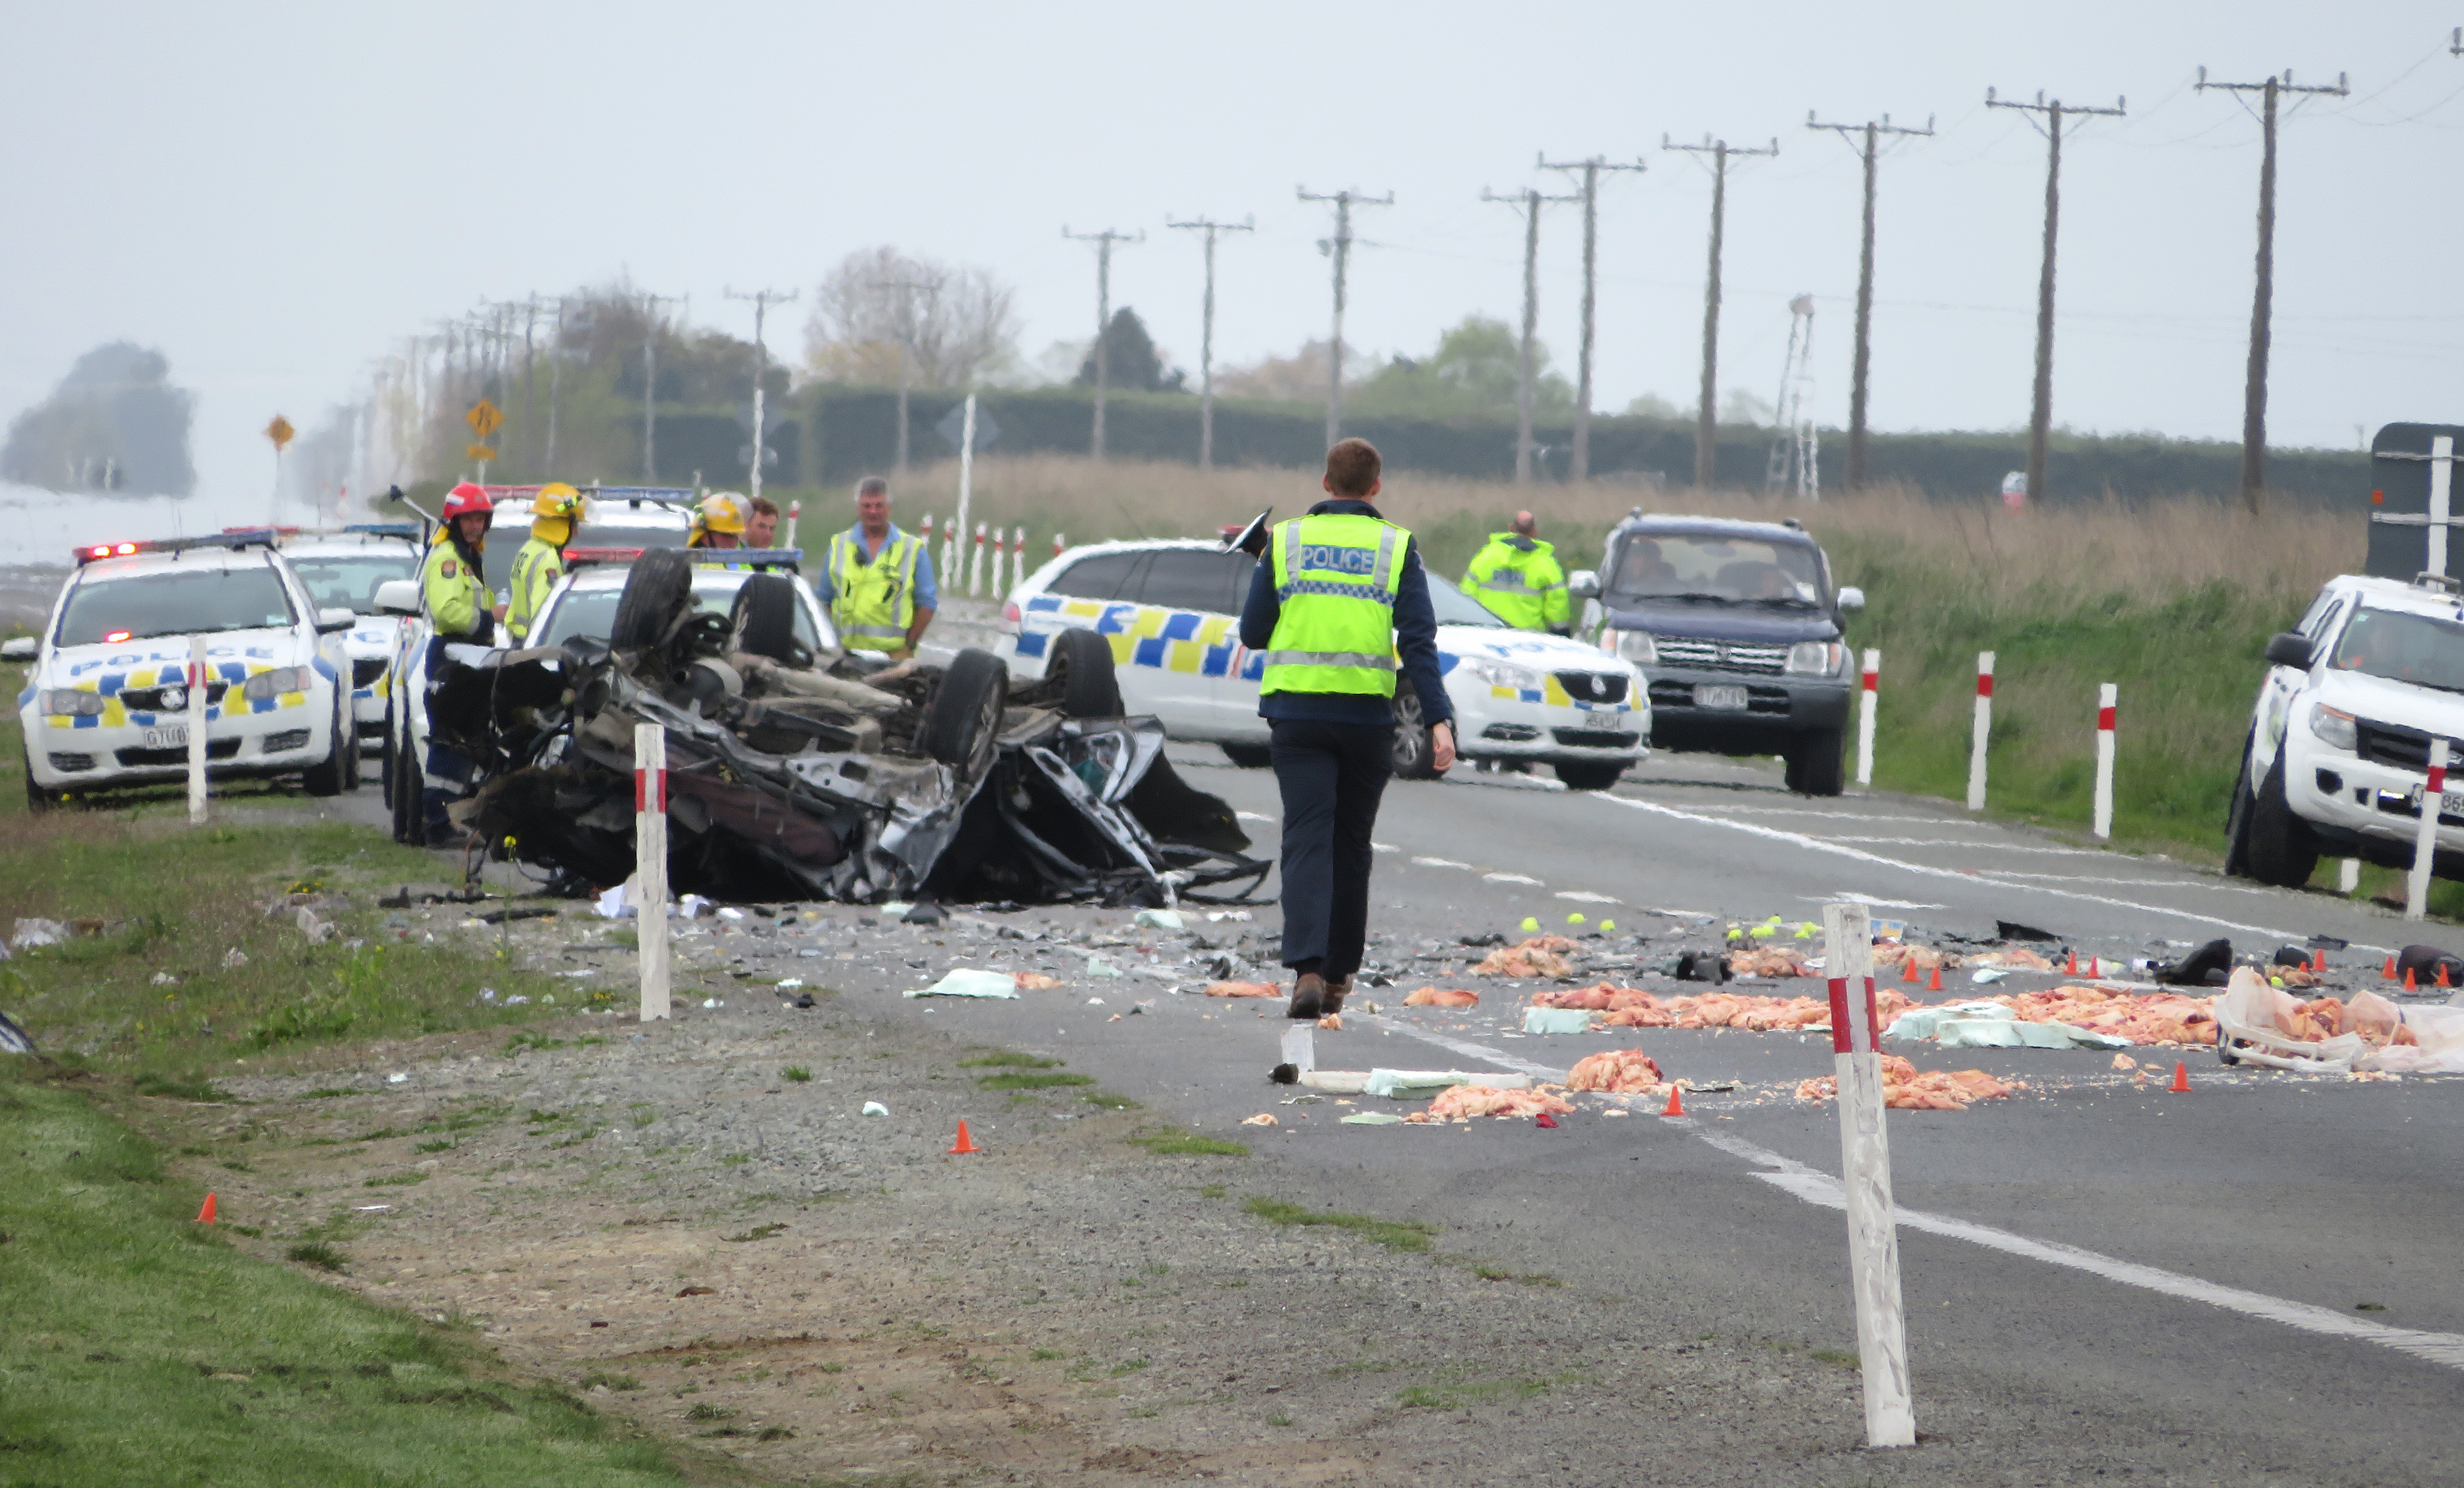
{"type": "Point", "coordinates": [1309, 998]}
{"type": "Point", "coordinates": [1335, 992]}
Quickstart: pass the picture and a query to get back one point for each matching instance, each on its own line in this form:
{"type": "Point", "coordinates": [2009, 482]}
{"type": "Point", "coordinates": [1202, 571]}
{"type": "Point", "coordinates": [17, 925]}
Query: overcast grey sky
{"type": "Point", "coordinates": [272, 194]}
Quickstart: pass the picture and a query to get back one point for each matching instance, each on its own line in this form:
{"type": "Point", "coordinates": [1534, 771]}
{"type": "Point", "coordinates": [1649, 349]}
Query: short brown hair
{"type": "Point", "coordinates": [1353, 467]}
{"type": "Point", "coordinates": [764, 506]}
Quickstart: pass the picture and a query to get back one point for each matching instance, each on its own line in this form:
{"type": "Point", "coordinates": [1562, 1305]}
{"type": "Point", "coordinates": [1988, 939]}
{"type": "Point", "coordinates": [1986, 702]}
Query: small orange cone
{"type": "Point", "coordinates": [2442, 973]}
{"type": "Point", "coordinates": [2407, 980]}
{"type": "Point", "coordinates": [966, 1143]}
{"type": "Point", "coordinates": [2095, 969]}
{"type": "Point", "coordinates": [2317, 960]}
{"type": "Point", "coordinates": [1908, 969]}
{"type": "Point", "coordinates": [1934, 984]}
{"type": "Point", "coordinates": [2071, 969]}
{"type": "Point", "coordinates": [2390, 973]}
{"type": "Point", "coordinates": [2181, 1084]}
{"type": "Point", "coordinates": [1676, 1102]}
{"type": "Point", "coordinates": [206, 1214]}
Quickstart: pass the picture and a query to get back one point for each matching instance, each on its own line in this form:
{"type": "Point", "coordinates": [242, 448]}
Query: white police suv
{"type": "Point", "coordinates": [107, 706]}
{"type": "Point", "coordinates": [1170, 612]}
{"type": "Point", "coordinates": [342, 570]}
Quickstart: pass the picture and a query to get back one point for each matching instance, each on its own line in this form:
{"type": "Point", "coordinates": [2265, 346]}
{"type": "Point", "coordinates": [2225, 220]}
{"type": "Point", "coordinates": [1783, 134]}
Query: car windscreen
{"type": "Point", "coordinates": [1454, 607]}
{"type": "Point", "coordinates": [2425, 651]}
{"type": "Point", "coordinates": [175, 603]}
{"type": "Point", "coordinates": [1683, 565]}
{"type": "Point", "coordinates": [592, 612]}
{"type": "Point", "coordinates": [349, 582]}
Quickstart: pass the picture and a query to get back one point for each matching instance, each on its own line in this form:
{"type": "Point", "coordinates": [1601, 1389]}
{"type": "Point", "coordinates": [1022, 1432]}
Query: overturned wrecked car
{"type": "Point", "coordinates": [796, 773]}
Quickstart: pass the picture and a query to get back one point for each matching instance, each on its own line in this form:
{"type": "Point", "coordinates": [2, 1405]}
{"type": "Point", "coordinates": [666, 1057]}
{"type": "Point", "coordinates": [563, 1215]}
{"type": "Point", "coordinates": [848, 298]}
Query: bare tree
{"type": "Point", "coordinates": [952, 323]}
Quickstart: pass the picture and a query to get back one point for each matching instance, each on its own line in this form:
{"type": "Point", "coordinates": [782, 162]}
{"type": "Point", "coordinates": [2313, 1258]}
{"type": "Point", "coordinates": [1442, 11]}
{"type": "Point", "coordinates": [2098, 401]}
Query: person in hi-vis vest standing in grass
{"type": "Point", "coordinates": [1337, 605]}
{"type": "Point", "coordinates": [1517, 578]}
{"type": "Point", "coordinates": [878, 581]}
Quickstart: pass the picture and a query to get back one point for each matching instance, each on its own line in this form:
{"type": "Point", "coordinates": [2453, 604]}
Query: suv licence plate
{"type": "Point", "coordinates": [169, 736]}
{"type": "Point", "coordinates": [1709, 695]}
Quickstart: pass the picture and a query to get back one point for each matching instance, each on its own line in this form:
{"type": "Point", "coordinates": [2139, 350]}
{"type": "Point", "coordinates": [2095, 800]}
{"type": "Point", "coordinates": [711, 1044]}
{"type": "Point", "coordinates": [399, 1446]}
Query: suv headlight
{"type": "Point", "coordinates": [1815, 658]}
{"type": "Point", "coordinates": [1637, 646]}
{"type": "Point", "coordinates": [2334, 728]}
{"type": "Point", "coordinates": [1503, 674]}
{"type": "Point", "coordinates": [71, 702]}
{"type": "Point", "coordinates": [276, 683]}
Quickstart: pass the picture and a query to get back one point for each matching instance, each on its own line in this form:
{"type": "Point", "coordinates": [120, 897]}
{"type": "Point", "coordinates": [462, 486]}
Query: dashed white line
{"type": "Point", "coordinates": [1511, 878]}
{"type": "Point", "coordinates": [1586, 896]}
{"type": "Point", "coordinates": [1439, 863]}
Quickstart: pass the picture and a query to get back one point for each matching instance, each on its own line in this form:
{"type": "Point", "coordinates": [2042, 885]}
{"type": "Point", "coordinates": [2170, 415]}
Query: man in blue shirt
{"type": "Point", "coordinates": [877, 582]}
{"type": "Point", "coordinates": [1327, 693]}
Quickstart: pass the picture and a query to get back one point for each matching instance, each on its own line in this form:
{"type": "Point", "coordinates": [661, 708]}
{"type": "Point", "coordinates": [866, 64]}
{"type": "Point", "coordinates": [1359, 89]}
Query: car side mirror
{"type": "Point", "coordinates": [398, 597]}
{"type": "Point", "coordinates": [18, 648]}
{"type": "Point", "coordinates": [2292, 649]}
{"type": "Point", "coordinates": [1851, 599]}
{"type": "Point", "coordinates": [1583, 584]}
{"type": "Point", "coordinates": [334, 621]}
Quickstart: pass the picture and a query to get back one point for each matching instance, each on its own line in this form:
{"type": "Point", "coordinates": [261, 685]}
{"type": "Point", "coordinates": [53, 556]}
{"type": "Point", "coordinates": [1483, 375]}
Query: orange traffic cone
{"type": "Point", "coordinates": [966, 1143]}
{"type": "Point", "coordinates": [206, 1214]}
{"type": "Point", "coordinates": [2070, 967]}
{"type": "Point", "coordinates": [2442, 973]}
{"type": "Point", "coordinates": [2390, 973]}
{"type": "Point", "coordinates": [1676, 1102]}
{"type": "Point", "coordinates": [2317, 960]}
{"type": "Point", "coordinates": [1934, 983]}
{"type": "Point", "coordinates": [1907, 968]}
{"type": "Point", "coordinates": [2407, 980]}
{"type": "Point", "coordinates": [2095, 969]}
{"type": "Point", "coordinates": [2181, 1084]}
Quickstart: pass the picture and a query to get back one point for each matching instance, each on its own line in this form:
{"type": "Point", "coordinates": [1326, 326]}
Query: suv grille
{"type": "Point", "coordinates": [149, 700]}
{"type": "Point", "coordinates": [365, 671]}
{"type": "Point", "coordinates": [1671, 695]}
{"type": "Point", "coordinates": [2394, 744]}
{"type": "Point", "coordinates": [1594, 687]}
{"type": "Point", "coordinates": [215, 748]}
{"type": "Point", "coordinates": [1710, 655]}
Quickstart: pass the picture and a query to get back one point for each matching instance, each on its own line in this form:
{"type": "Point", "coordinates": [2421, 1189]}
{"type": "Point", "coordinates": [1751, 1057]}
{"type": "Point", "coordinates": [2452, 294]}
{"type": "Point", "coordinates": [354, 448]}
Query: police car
{"type": "Point", "coordinates": [107, 704]}
{"type": "Point", "coordinates": [342, 570]}
{"type": "Point", "coordinates": [1170, 613]}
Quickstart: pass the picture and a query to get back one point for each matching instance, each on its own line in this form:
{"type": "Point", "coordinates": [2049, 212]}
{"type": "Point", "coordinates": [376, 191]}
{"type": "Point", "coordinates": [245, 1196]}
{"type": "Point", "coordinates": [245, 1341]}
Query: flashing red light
{"type": "Point", "coordinates": [115, 636]}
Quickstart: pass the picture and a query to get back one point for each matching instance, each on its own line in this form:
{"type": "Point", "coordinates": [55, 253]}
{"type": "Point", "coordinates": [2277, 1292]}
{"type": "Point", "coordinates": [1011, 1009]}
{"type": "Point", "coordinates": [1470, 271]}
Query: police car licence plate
{"type": "Point", "coordinates": [169, 736]}
{"type": "Point", "coordinates": [1709, 695]}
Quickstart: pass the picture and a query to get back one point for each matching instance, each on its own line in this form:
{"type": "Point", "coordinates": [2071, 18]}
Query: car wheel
{"type": "Point", "coordinates": [1817, 764]}
{"type": "Point", "coordinates": [1249, 757]}
{"type": "Point", "coordinates": [2280, 848]}
{"type": "Point", "coordinates": [37, 798]}
{"type": "Point", "coordinates": [2237, 817]}
{"type": "Point", "coordinates": [332, 774]}
{"type": "Point", "coordinates": [1589, 774]}
{"type": "Point", "coordinates": [764, 619]}
{"type": "Point", "coordinates": [1415, 756]}
{"type": "Point", "coordinates": [1089, 686]}
{"type": "Point", "coordinates": [654, 594]}
{"type": "Point", "coordinates": [963, 723]}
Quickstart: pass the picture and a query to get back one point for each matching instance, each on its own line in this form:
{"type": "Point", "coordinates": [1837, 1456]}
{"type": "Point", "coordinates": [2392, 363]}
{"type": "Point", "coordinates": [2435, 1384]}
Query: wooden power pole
{"type": "Point", "coordinates": [1103, 242]}
{"type": "Point", "coordinates": [1338, 248]}
{"type": "Point", "coordinates": [1206, 332]}
{"type": "Point", "coordinates": [1527, 200]}
{"type": "Point", "coordinates": [1579, 469]}
{"type": "Point", "coordinates": [1706, 416]}
{"type": "Point", "coordinates": [1871, 133]}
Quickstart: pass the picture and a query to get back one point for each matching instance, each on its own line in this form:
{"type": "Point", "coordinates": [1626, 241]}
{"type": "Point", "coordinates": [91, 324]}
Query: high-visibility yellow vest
{"type": "Point", "coordinates": [535, 570]}
{"type": "Point", "coordinates": [1334, 579]}
{"type": "Point", "coordinates": [456, 593]}
{"type": "Point", "coordinates": [1518, 580]}
{"type": "Point", "coordinates": [874, 603]}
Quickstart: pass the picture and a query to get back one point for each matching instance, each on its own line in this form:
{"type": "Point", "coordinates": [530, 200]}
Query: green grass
{"type": "Point", "coordinates": [1174, 1142]}
{"type": "Point", "coordinates": [1113, 1103]}
{"type": "Point", "coordinates": [1403, 1234]}
{"type": "Point", "coordinates": [1036, 1082]}
{"type": "Point", "coordinates": [1006, 1060]}
{"type": "Point", "coordinates": [142, 1348]}
{"type": "Point", "coordinates": [795, 1074]}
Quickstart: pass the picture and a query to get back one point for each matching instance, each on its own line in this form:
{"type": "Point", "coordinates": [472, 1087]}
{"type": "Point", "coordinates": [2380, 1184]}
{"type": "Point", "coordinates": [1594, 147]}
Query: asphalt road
{"type": "Point", "coordinates": [2170, 1283]}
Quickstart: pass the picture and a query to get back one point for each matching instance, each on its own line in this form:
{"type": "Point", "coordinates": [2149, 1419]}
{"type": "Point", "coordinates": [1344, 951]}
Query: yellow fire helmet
{"type": "Point", "coordinates": [557, 499]}
{"type": "Point", "coordinates": [723, 512]}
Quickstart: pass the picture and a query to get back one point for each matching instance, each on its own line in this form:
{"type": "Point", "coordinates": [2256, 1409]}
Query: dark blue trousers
{"type": "Point", "coordinates": [1332, 776]}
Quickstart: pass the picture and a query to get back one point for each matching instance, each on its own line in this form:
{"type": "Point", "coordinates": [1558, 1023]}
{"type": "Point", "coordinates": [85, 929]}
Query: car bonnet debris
{"type": "Point", "coordinates": [794, 776]}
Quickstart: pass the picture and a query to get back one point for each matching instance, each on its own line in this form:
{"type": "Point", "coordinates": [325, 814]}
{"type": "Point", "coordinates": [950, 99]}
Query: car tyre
{"type": "Point", "coordinates": [409, 795]}
{"type": "Point", "coordinates": [1817, 764]}
{"type": "Point", "coordinates": [962, 726]}
{"type": "Point", "coordinates": [384, 766]}
{"type": "Point", "coordinates": [332, 775]}
{"type": "Point", "coordinates": [37, 798]}
{"type": "Point", "coordinates": [1589, 774]}
{"type": "Point", "coordinates": [2281, 850]}
{"type": "Point", "coordinates": [1415, 754]}
{"type": "Point", "coordinates": [764, 619]}
{"type": "Point", "coordinates": [1090, 687]}
{"type": "Point", "coordinates": [655, 594]}
{"type": "Point", "coordinates": [1249, 757]}
{"type": "Point", "coordinates": [2237, 817]}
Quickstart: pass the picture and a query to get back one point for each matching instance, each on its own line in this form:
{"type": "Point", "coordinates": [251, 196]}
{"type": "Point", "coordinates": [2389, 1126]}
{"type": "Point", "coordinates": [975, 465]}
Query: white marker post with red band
{"type": "Point", "coordinates": [975, 568]}
{"type": "Point", "coordinates": [1017, 557]}
{"type": "Point", "coordinates": [650, 863]}
{"type": "Point", "coordinates": [1984, 727]}
{"type": "Point", "coordinates": [999, 553]}
{"type": "Point", "coordinates": [200, 680]}
{"type": "Point", "coordinates": [1059, 546]}
{"type": "Point", "coordinates": [1865, 1178]}
{"type": "Point", "coordinates": [1871, 685]}
{"type": "Point", "coordinates": [2425, 843]}
{"type": "Point", "coordinates": [2106, 695]}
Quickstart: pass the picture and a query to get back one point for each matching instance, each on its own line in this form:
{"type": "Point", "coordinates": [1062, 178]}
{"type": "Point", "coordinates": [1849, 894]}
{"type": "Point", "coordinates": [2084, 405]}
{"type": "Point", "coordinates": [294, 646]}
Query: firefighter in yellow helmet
{"type": "Point", "coordinates": [719, 523]}
{"type": "Point", "coordinates": [554, 510]}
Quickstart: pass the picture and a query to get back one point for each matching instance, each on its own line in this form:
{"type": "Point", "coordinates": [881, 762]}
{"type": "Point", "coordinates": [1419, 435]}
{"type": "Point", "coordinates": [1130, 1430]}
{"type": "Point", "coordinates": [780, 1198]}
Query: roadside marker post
{"type": "Point", "coordinates": [1017, 557]}
{"type": "Point", "coordinates": [2425, 842]}
{"type": "Point", "coordinates": [998, 555]}
{"type": "Point", "coordinates": [1871, 685]}
{"type": "Point", "coordinates": [1058, 547]}
{"type": "Point", "coordinates": [200, 678]}
{"type": "Point", "coordinates": [948, 553]}
{"type": "Point", "coordinates": [976, 567]}
{"type": "Point", "coordinates": [650, 863]}
{"type": "Point", "coordinates": [1984, 727]}
{"type": "Point", "coordinates": [1865, 1178]}
{"type": "Point", "coordinates": [2106, 695]}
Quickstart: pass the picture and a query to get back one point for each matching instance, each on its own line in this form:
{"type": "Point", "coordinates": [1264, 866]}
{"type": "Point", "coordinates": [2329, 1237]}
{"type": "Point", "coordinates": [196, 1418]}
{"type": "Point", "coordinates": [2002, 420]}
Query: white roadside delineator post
{"type": "Point", "coordinates": [1984, 727]}
{"type": "Point", "coordinates": [1865, 1178]}
{"type": "Point", "coordinates": [1059, 545]}
{"type": "Point", "coordinates": [1869, 687]}
{"type": "Point", "coordinates": [999, 555]}
{"type": "Point", "coordinates": [199, 677]}
{"type": "Point", "coordinates": [948, 553]}
{"type": "Point", "coordinates": [2348, 877]}
{"type": "Point", "coordinates": [2425, 842]}
{"type": "Point", "coordinates": [1017, 557]}
{"type": "Point", "coordinates": [975, 566]}
{"type": "Point", "coordinates": [650, 863]}
{"type": "Point", "coordinates": [2106, 695]}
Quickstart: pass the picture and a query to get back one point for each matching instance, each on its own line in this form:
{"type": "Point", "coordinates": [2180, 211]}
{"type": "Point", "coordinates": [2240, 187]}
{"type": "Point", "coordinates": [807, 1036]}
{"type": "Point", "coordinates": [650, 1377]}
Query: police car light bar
{"type": "Point", "coordinates": [746, 558]}
{"type": "Point", "coordinates": [575, 557]}
{"type": "Point", "coordinates": [408, 529]}
{"type": "Point", "coordinates": [232, 541]}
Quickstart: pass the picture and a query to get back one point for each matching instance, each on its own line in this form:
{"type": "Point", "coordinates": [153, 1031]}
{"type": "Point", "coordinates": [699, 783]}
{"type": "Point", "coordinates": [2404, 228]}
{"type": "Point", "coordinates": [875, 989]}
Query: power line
{"type": "Point", "coordinates": [2253, 415]}
{"type": "Point", "coordinates": [1528, 202]}
{"type": "Point", "coordinates": [1103, 242]}
{"type": "Point", "coordinates": [762, 300]}
{"type": "Point", "coordinates": [651, 384]}
{"type": "Point", "coordinates": [1580, 469]}
{"type": "Point", "coordinates": [1207, 333]}
{"type": "Point", "coordinates": [1861, 362]}
{"type": "Point", "coordinates": [1707, 427]}
{"type": "Point", "coordinates": [1338, 248]}
{"type": "Point", "coordinates": [2042, 413]}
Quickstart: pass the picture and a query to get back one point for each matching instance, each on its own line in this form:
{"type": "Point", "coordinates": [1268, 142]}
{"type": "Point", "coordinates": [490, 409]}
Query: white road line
{"type": "Point", "coordinates": [1817, 1187]}
{"type": "Point", "coordinates": [2124, 883]}
{"type": "Point", "coordinates": [1965, 876]}
{"type": "Point", "coordinates": [1463, 1046]}
{"type": "Point", "coordinates": [1438, 862]}
{"type": "Point", "coordinates": [1586, 896]}
{"type": "Point", "coordinates": [1511, 878]}
{"type": "Point", "coordinates": [1245, 816]}
{"type": "Point", "coordinates": [1952, 841]}
{"type": "Point", "coordinates": [1836, 816]}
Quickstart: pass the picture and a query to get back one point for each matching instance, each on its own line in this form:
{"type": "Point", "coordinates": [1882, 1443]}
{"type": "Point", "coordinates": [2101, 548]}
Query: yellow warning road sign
{"type": "Point", "coordinates": [479, 452]}
{"type": "Point", "coordinates": [484, 419]}
{"type": "Point", "coordinates": [279, 431]}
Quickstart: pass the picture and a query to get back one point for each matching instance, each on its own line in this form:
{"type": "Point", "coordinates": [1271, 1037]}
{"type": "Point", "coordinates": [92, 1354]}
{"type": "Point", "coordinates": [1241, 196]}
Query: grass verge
{"type": "Point", "coordinates": [1171, 1142]}
{"type": "Point", "coordinates": [1404, 1235]}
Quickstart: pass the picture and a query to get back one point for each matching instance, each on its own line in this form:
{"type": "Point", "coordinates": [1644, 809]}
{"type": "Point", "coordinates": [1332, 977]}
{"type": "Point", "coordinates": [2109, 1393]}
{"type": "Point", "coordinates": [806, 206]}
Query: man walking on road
{"type": "Point", "coordinates": [1517, 578]}
{"type": "Point", "coordinates": [878, 581]}
{"type": "Point", "coordinates": [1339, 592]}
